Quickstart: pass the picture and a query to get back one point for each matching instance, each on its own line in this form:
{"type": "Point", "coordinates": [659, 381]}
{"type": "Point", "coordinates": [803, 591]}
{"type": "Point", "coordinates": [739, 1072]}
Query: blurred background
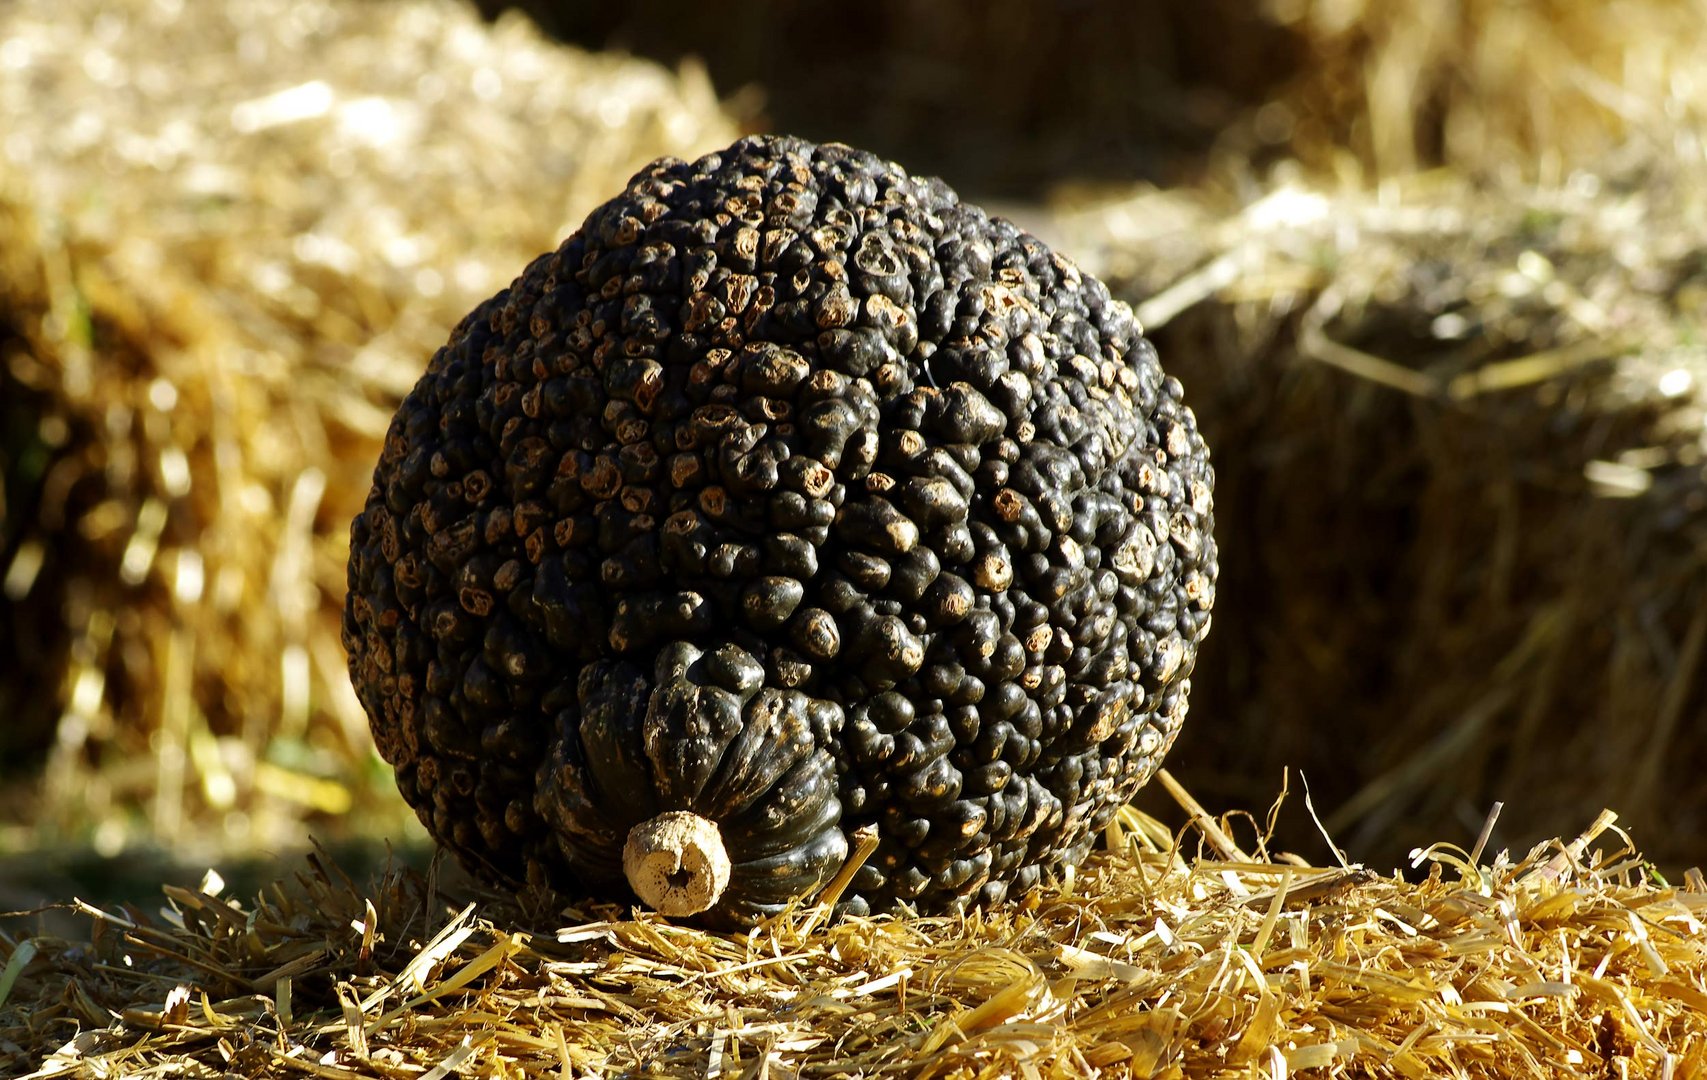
{"type": "Point", "coordinates": [1431, 274]}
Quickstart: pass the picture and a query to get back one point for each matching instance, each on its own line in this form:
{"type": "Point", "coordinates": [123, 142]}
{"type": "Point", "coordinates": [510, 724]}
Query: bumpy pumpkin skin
{"type": "Point", "coordinates": [793, 492]}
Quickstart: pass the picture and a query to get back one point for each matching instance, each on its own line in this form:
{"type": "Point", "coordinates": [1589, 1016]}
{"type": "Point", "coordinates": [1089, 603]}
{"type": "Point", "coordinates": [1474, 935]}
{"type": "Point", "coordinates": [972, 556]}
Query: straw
{"type": "Point", "coordinates": [234, 231]}
{"type": "Point", "coordinates": [1459, 436]}
{"type": "Point", "coordinates": [1146, 966]}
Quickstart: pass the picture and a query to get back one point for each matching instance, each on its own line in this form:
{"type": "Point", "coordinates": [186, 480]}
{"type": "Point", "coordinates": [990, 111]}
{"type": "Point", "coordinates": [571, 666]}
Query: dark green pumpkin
{"type": "Point", "coordinates": [790, 496]}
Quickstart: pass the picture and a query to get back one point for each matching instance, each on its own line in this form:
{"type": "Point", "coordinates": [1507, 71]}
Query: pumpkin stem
{"type": "Point", "coordinates": [676, 863]}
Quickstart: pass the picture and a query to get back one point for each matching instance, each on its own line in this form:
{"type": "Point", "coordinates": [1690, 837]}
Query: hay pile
{"type": "Point", "coordinates": [1565, 963]}
{"type": "Point", "coordinates": [1457, 415]}
{"type": "Point", "coordinates": [1527, 90]}
{"type": "Point", "coordinates": [1460, 493]}
{"type": "Point", "coordinates": [231, 234]}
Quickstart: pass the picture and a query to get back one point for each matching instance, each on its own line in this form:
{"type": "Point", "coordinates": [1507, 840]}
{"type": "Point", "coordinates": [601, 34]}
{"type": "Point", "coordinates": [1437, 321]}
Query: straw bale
{"type": "Point", "coordinates": [1568, 962]}
{"type": "Point", "coordinates": [1531, 89]}
{"type": "Point", "coordinates": [1460, 494]}
{"type": "Point", "coordinates": [233, 231]}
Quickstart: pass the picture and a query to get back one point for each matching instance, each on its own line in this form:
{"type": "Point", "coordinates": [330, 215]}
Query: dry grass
{"type": "Point", "coordinates": [1527, 90]}
{"type": "Point", "coordinates": [1461, 495]}
{"type": "Point", "coordinates": [1568, 961]}
{"type": "Point", "coordinates": [234, 231]}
